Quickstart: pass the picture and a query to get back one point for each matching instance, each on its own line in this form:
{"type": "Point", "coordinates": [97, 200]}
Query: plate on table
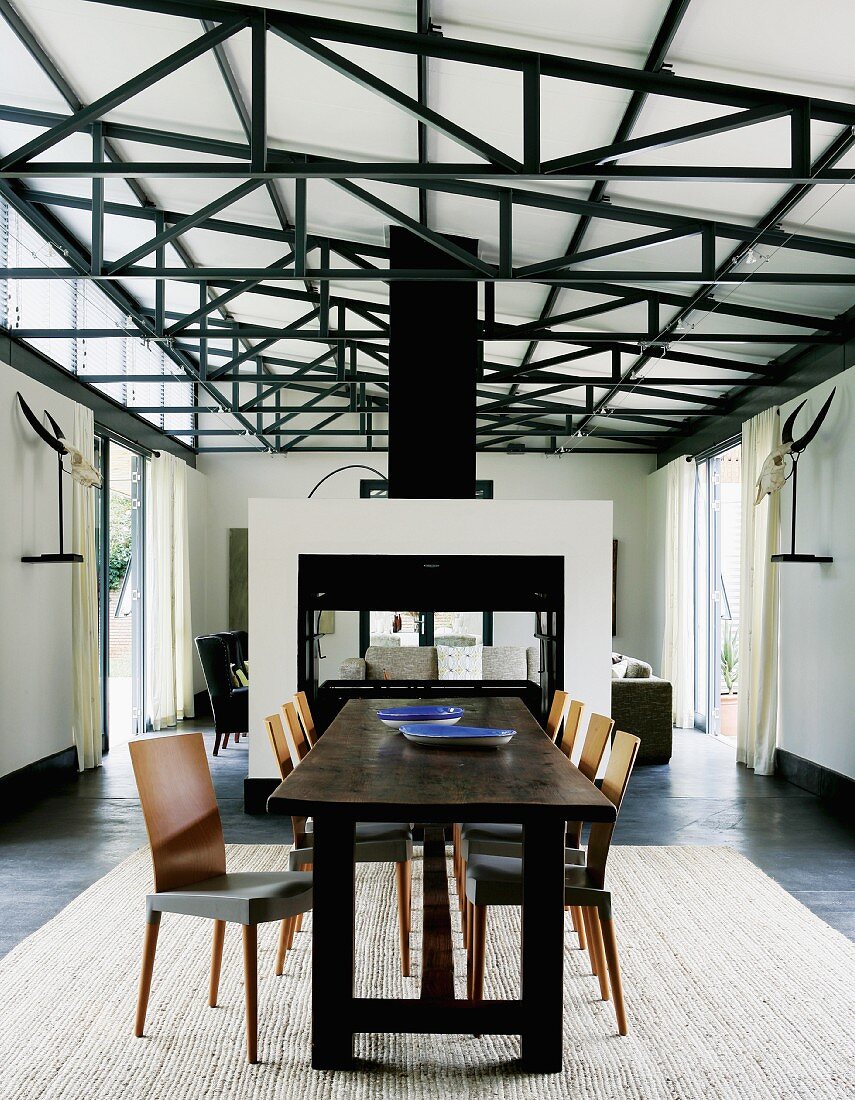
{"type": "Point", "coordinates": [437, 715]}
{"type": "Point", "coordinates": [461, 737]}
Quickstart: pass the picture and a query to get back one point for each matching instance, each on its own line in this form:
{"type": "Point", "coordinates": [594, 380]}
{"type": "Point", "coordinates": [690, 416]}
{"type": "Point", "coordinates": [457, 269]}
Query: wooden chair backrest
{"type": "Point", "coordinates": [571, 727]}
{"type": "Point", "coordinates": [282, 753]}
{"type": "Point", "coordinates": [615, 782]}
{"type": "Point", "coordinates": [596, 739]}
{"type": "Point", "coordinates": [279, 744]}
{"type": "Point", "coordinates": [301, 702]}
{"type": "Point", "coordinates": [180, 809]}
{"type": "Point", "coordinates": [557, 711]}
{"type": "Point", "coordinates": [297, 742]}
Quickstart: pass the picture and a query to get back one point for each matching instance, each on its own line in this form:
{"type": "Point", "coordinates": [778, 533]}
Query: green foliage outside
{"type": "Point", "coordinates": [730, 658]}
{"type": "Point", "coordinates": [120, 538]}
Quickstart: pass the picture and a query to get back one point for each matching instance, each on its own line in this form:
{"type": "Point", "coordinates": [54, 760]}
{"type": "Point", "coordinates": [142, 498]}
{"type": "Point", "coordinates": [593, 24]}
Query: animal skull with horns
{"type": "Point", "coordinates": [775, 471]}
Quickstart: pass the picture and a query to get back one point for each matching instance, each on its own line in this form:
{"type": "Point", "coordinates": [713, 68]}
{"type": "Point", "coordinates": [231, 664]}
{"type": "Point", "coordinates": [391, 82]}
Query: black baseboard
{"type": "Point", "coordinates": [27, 784]}
{"type": "Point", "coordinates": [256, 793]}
{"type": "Point", "coordinates": [836, 790]}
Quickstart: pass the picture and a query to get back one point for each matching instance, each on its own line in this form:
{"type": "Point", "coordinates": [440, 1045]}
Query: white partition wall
{"type": "Point", "coordinates": [281, 530]}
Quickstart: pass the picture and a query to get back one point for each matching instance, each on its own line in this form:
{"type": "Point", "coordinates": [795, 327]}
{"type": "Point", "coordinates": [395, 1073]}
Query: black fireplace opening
{"type": "Point", "coordinates": [531, 584]}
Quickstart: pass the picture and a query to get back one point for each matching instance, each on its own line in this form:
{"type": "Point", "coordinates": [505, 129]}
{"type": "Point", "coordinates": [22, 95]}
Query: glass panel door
{"type": "Point", "coordinates": [121, 589]}
{"type": "Point", "coordinates": [396, 628]}
{"type": "Point", "coordinates": [718, 520]}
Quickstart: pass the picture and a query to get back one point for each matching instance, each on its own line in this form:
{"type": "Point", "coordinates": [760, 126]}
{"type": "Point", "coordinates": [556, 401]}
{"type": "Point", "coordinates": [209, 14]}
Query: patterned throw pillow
{"type": "Point", "coordinates": [460, 662]}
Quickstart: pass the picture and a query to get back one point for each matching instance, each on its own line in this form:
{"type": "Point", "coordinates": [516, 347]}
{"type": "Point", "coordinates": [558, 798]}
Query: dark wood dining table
{"type": "Point", "coordinates": [361, 770]}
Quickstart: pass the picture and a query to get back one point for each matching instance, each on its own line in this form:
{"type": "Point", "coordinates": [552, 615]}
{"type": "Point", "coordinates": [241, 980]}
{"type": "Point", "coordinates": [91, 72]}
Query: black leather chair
{"type": "Point", "coordinates": [243, 647]}
{"type": "Point", "coordinates": [229, 704]}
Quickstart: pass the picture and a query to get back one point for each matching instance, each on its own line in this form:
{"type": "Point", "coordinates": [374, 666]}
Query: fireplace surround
{"type": "Point", "coordinates": [467, 582]}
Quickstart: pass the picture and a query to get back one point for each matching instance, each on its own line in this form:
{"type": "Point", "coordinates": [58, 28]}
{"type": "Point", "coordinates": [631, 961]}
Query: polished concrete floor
{"type": "Point", "coordinates": [55, 848]}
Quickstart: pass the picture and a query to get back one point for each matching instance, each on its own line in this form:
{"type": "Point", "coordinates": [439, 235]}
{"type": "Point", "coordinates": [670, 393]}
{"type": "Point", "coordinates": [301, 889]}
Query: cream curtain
{"type": "Point", "coordinates": [86, 673]}
{"type": "Point", "coordinates": [169, 668]}
{"type": "Point", "coordinates": [757, 716]}
{"type": "Point", "coordinates": [678, 646]}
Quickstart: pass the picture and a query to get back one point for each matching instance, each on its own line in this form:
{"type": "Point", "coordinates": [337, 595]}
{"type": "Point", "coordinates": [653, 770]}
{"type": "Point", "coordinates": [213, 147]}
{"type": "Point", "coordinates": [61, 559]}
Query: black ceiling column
{"type": "Point", "coordinates": [433, 349]}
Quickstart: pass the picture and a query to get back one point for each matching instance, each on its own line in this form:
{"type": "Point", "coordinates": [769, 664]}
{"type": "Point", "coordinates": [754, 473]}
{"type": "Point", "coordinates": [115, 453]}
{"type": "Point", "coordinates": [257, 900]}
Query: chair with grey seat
{"type": "Point", "coordinates": [376, 842]}
{"type": "Point", "coordinates": [504, 839]}
{"type": "Point", "coordinates": [497, 880]}
{"type": "Point", "coordinates": [190, 877]}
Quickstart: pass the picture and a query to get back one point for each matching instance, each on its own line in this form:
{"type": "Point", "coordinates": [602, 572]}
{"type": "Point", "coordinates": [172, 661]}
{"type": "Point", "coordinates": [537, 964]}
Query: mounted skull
{"type": "Point", "coordinates": [775, 470]}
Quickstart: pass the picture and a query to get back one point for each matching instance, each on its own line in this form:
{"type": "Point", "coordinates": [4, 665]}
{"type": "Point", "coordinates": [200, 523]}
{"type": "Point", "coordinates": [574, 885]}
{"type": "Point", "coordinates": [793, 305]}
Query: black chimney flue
{"type": "Point", "coordinates": [433, 371]}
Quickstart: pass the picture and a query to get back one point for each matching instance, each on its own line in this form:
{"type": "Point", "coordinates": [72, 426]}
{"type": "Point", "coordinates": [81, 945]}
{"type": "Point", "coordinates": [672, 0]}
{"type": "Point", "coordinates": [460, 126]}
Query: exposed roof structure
{"type": "Point", "coordinates": [662, 193]}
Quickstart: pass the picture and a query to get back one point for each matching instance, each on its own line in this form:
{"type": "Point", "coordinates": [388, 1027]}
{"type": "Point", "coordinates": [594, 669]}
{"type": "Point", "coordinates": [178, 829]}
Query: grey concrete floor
{"type": "Point", "coordinates": [55, 848]}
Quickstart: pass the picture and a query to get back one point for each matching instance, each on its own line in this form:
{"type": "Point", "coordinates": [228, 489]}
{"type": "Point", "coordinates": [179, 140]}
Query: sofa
{"type": "Point", "coordinates": [641, 704]}
{"type": "Point", "coordinates": [500, 662]}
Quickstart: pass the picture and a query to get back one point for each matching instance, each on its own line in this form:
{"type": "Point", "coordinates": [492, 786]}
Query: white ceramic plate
{"type": "Point", "coordinates": [395, 717]}
{"type": "Point", "coordinates": [464, 737]}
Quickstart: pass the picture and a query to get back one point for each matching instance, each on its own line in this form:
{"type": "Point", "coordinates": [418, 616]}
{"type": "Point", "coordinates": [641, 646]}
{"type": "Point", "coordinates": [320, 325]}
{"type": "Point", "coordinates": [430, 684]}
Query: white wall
{"type": "Point", "coordinates": [279, 530]}
{"type": "Point", "coordinates": [818, 601]}
{"type": "Point", "coordinates": [233, 479]}
{"type": "Point", "coordinates": [35, 600]}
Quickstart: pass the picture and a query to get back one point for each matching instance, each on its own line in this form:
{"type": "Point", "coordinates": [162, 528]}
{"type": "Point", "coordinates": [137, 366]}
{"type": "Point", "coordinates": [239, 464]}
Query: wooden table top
{"type": "Point", "coordinates": [364, 770]}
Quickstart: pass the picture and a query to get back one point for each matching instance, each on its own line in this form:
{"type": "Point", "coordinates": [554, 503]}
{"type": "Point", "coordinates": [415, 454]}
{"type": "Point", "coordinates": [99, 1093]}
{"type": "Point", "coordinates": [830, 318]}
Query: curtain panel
{"type": "Point", "coordinates": [678, 648]}
{"type": "Point", "coordinates": [85, 666]}
{"type": "Point", "coordinates": [757, 715]}
{"type": "Point", "coordinates": [169, 667]}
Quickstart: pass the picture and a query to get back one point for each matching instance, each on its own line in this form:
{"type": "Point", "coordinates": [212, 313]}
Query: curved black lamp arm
{"type": "Point", "coordinates": [351, 466]}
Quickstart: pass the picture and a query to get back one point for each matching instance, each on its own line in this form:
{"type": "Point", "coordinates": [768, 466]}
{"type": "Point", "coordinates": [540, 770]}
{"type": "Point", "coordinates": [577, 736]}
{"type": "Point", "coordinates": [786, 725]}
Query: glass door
{"type": "Point", "coordinates": [119, 543]}
{"type": "Point", "coordinates": [718, 518]}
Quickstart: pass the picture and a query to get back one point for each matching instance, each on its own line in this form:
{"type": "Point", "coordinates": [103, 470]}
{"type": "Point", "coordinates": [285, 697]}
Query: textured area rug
{"type": "Point", "coordinates": [733, 988]}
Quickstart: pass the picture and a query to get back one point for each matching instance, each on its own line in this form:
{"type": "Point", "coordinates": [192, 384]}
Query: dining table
{"type": "Point", "coordinates": [363, 770]}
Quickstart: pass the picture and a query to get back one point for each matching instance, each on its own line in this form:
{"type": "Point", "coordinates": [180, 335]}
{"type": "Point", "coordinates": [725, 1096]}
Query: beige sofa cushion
{"type": "Point", "coordinates": [406, 663]}
{"type": "Point", "coordinates": [504, 662]}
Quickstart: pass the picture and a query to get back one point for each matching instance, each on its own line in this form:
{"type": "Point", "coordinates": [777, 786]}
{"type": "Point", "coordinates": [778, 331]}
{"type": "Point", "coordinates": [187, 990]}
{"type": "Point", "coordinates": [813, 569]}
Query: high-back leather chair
{"type": "Point", "coordinates": [229, 704]}
{"type": "Point", "coordinates": [242, 638]}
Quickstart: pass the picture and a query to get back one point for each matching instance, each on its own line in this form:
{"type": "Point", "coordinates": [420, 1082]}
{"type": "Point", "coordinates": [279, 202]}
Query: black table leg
{"type": "Point", "coordinates": [333, 943]}
{"type": "Point", "coordinates": [542, 977]}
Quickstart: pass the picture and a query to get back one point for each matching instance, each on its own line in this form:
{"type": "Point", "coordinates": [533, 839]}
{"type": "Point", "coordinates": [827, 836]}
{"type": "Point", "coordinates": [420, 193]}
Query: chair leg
{"type": "Point", "coordinates": [579, 924]}
{"type": "Point", "coordinates": [610, 947]}
{"type": "Point", "coordinates": [467, 923]}
{"type": "Point", "coordinates": [286, 935]}
{"type": "Point", "coordinates": [589, 935]}
{"type": "Point", "coordinates": [409, 908]}
{"type": "Point", "coordinates": [225, 740]}
{"type": "Point", "coordinates": [216, 961]}
{"type": "Point", "coordinates": [217, 738]}
{"type": "Point", "coordinates": [402, 880]}
{"type": "Point", "coordinates": [595, 937]}
{"type": "Point", "coordinates": [479, 944]}
{"type": "Point", "coordinates": [250, 978]}
{"type": "Point", "coordinates": [149, 948]}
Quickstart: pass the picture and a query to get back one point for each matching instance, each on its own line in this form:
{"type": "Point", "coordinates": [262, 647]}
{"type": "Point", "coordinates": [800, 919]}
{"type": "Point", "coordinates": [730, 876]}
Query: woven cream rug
{"type": "Point", "coordinates": [734, 990]}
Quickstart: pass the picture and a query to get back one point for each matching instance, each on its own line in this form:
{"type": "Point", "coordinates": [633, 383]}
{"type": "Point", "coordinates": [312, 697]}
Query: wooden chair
{"type": "Point", "coordinates": [189, 857]}
{"type": "Point", "coordinates": [560, 703]}
{"type": "Point", "coordinates": [572, 720]}
{"type": "Point", "coordinates": [597, 737]}
{"type": "Point", "coordinates": [376, 842]}
{"type": "Point", "coordinates": [301, 702]}
{"type": "Point", "coordinates": [563, 707]}
{"type": "Point", "coordinates": [497, 880]}
{"type": "Point", "coordinates": [506, 840]}
{"type": "Point", "coordinates": [298, 743]}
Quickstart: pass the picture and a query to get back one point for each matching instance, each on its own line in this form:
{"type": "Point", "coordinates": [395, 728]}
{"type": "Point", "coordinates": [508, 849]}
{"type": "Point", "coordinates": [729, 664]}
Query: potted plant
{"type": "Point", "coordinates": [729, 700]}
